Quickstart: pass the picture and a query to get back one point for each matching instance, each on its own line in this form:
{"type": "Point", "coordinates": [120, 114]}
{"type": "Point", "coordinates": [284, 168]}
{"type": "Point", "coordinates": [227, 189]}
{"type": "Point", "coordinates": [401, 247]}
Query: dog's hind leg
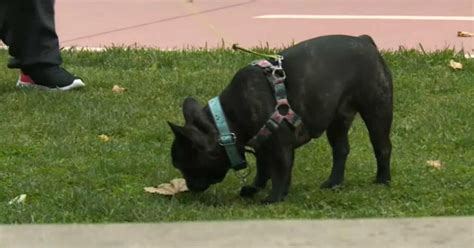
{"type": "Point", "coordinates": [378, 120]}
{"type": "Point", "coordinates": [337, 135]}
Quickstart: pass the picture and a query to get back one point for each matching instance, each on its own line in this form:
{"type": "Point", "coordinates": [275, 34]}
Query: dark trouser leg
{"type": "Point", "coordinates": [29, 31]}
{"type": "Point", "coordinates": [3, 14]}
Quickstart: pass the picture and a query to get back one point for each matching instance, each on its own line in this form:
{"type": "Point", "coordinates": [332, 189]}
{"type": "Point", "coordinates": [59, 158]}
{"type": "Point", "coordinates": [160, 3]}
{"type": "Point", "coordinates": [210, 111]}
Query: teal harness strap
{"type": "Point", "coordinates": [226, 138]}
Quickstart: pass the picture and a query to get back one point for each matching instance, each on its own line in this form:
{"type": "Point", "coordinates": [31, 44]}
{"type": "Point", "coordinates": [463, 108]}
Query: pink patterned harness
{"type": "Point", "coordinates": [276, 76]}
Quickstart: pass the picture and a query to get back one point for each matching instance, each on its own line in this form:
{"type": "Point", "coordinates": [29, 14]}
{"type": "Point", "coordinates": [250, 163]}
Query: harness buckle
{"type": "Point", "coordinates": [279, 74]}
{"type": "Point", "coordinates": [227, 139]}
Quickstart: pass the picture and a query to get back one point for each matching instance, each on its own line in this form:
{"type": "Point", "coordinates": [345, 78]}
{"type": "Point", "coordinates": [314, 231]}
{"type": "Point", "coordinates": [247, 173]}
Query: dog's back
{"type": "Point", "coordinates": [335, 76]}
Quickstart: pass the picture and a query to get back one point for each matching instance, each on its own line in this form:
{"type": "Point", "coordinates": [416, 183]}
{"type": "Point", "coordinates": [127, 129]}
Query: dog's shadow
{"type": "Point", "coordinates": [219, 197]}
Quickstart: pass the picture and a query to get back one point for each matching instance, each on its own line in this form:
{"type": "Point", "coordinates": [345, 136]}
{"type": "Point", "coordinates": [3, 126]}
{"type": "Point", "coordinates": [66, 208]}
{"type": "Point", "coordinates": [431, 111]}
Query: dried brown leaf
{"type": "Point", "coordinates": [455, 65]}
{"type": "Point", "coordinates": [17, 200]}
{"type": "Point", "coordinates": [175, 186]}
{"type": "Point", "coordinates": [435, 164]}
{"type": "Point", "coordinates": [118, 89]}
{"type": "Point", "coordinates": [179, 184]}
{"type": "Point", "coordinates": [161, 189]}
{"type": "Point", "coordinates": [104, 138]}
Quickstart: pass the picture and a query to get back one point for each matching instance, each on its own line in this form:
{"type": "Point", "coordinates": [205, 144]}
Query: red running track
{"type": "Point", "coordinates": [182, 24]}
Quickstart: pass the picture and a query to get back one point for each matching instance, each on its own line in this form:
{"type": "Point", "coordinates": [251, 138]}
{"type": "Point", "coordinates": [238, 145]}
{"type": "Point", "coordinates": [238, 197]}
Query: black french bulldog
{"type": "Point", "coordinates": [328, 80]}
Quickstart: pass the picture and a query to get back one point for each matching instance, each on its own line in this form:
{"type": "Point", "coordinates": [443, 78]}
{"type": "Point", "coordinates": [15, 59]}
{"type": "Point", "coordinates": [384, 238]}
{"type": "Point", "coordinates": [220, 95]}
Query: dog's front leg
{"type": "Point", "coordinates": [261, 177]}
{"type": "Point", "coordinates": [281, 167]}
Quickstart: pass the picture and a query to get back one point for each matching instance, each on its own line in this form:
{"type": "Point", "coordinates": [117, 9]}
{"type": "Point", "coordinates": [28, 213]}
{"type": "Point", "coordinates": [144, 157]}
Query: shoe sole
{"type": "Point", "coordinates": [76, 84]}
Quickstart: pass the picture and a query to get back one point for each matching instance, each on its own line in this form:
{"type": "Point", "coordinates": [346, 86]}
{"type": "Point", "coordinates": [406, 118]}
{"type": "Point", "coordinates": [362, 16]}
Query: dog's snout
{"type": "Point", "coordinates": [197, 186]}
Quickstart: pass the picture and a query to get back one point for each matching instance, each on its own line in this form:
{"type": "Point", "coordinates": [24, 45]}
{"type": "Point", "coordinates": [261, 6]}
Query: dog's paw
{"type": "Point", "coordinates": [248, 191]}
{"type": "Point", "coordinates": [270, 200]}
{"type": "Point", "coordinates": [330, 184]}
{"type": "Point", "coordinates": [384, 182]}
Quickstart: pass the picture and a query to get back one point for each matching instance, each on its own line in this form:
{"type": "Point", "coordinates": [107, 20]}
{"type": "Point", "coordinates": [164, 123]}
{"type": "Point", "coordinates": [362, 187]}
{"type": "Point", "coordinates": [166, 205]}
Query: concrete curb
{"type": "Point", "coordinates": [366, 233]}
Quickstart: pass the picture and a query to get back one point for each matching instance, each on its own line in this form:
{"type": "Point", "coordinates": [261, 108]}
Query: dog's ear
{"type": "Point", "coordinates": [195, 116]}
{"type": "Point", "coordinates": [190, 136]}
{"type": "Point", "coordinates": [179, 132]}
{"type": "Point", "coordinates": [191, 108]}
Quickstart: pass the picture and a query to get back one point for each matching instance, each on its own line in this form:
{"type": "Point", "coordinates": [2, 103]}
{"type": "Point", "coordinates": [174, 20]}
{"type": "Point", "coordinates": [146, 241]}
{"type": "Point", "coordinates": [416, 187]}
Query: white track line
{"type": "Point", "coordinates": [369, 17]}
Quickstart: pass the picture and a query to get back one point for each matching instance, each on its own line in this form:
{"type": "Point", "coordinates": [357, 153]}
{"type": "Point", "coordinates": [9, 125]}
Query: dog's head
{"type": "Point", "coordinates": [195, 150]}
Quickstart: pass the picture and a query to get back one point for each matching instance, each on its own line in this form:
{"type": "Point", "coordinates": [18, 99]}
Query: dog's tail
{"type": "Point", "coordinates": [388, 73]}
{"type": "Point", "coordinates": [368, 39]}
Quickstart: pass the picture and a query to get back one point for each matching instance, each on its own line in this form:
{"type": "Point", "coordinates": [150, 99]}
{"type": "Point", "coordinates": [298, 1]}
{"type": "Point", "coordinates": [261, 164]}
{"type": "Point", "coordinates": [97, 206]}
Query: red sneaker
{"type": "Point", "coordinates": [24, 81]}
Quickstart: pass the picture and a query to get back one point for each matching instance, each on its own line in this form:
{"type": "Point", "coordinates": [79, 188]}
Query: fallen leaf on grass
{"type": "Point", "coordinates": [174, 187]}
{"type": "Point", "coordinates": [455, 65]}
{"type": "Point", "coordinates": [435, 164]}
{"type": "Point", "coordinates": [104, 138]}
{"type": "Point", "coordinates": [17, 200]}
{"type": "Point", "coordinates": [465, 34]}
{"type": "Point", "coordinates": [118, 89]}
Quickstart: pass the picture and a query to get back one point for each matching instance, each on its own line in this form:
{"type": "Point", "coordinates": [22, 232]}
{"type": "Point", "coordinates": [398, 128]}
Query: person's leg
{"type": "Point", "coordinates": [34, 46]}
{"type": "Point", "coordinates": [31, 36]}
{"type": "Point", "coordinates": [3, 14]}
{"type": "Point", "coordinates": [6, 6]}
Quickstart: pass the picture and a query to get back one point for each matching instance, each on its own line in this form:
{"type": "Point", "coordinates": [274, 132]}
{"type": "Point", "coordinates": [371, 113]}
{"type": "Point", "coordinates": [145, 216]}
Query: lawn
{"type": "Point", "coordinates": [50, 149]}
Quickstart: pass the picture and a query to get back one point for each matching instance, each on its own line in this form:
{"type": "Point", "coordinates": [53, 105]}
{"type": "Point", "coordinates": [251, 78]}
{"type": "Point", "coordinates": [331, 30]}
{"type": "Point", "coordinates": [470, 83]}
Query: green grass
{"type": "Point", "coordinates": [49, 146]}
